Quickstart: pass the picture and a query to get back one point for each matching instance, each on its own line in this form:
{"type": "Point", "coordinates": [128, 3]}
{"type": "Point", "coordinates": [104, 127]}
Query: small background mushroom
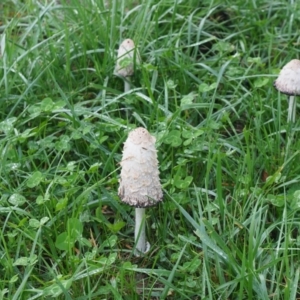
{"type": "Point", "coordinates": [128, 56]}
{"type": "Point", "coordinates": [139, 181]}
{"type": "Point", "coordinates": [288, 82]}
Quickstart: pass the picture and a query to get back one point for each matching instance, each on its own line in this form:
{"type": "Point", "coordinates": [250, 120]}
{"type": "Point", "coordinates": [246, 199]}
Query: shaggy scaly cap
{"type": "Point", "coordinates": [288, 81]}
{"type": "Point", "coordinates": [126, 51]}
{"type": "Point", "coordinates": [139, 182]}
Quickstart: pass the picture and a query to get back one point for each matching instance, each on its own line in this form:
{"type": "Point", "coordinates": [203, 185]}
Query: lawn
{"type": "Point", "coordinates": [228, 225]}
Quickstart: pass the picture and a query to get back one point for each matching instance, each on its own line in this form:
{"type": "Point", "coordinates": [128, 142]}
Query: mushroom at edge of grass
{"type": "Point", "coordinates": [139, 181]}
{"type": "Point", "coordinates": [128, 56]}
{"type": "Point", "coordinates": [288, 82]}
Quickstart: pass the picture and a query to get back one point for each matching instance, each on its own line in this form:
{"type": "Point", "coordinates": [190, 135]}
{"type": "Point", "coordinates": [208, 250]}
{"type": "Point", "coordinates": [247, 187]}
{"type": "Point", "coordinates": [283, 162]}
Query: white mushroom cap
{"type": "Point", "coordinates": [126, 51]}
{"type": "Point", "coordinates": [139, 182]}
{"type": "Point", "coordinates": [288, 81]}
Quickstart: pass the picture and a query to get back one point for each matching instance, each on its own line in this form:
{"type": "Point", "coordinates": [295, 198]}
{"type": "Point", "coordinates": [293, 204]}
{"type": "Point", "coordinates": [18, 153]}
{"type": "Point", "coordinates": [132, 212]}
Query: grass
{"type": "Point", "coordinates": [229, 163]}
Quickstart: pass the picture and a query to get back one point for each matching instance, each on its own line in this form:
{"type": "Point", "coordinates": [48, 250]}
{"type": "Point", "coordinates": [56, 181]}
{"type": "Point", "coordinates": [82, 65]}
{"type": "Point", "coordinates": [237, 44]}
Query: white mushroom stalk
{"type": "Point", "coordinates": [141, 244]}
{"type": "Point", "coordinates": [128, 56]}
{"type": "Point", "coordinates": [139, 181]}
{"type": "Point", "coordinates": [292, 110]}
{"type": "Point", "coordinates": [288, 82]}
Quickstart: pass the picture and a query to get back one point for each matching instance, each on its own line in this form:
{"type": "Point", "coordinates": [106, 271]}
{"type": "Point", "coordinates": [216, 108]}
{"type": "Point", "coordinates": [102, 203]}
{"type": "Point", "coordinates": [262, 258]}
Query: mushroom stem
{"type": "Point", "coordinates": [140, 232]}
{"type": "Point", "coordinates": [126, 84]}
{"type": "Point", "coordinates": [292, 110]}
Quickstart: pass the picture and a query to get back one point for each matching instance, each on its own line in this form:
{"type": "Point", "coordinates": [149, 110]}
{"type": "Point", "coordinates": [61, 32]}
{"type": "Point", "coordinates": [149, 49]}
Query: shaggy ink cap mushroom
{"type": "Point", "coordinates": [127, 51]}
{"type": "Point", "coordinates": [288, 81]}
{"type": "Point", "coordinates": [139, 181]}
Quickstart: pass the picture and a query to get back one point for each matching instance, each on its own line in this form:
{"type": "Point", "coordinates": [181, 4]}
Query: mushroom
{"type": "Point", "coordinates": [288, 82]}
{"type": "Point", "coordinates": [128, 55]}
{"type": "Point", "coordinates": [139, 181]}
